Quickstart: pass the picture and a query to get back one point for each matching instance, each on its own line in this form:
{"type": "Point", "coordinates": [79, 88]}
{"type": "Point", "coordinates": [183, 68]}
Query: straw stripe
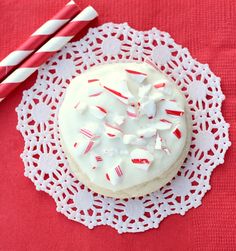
{"type": "Point", "coordinates": [47, 50]}
{"type": "Point", "coordinates": [37, 39]}
{"type": "Point", "coordinates": [50, 27]}
{"type": "Point", "coordinates": [15, 57]}
{"type": "Point", "coordinates": [55, 44]}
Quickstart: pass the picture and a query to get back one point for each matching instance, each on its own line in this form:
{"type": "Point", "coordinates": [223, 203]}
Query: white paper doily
{"type": "Point", "coordinates": [44, 160]}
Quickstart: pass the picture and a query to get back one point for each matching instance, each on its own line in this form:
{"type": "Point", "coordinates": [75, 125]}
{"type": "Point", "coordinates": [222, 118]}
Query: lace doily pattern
{"type": "Point", "coordinates": [46, 164]}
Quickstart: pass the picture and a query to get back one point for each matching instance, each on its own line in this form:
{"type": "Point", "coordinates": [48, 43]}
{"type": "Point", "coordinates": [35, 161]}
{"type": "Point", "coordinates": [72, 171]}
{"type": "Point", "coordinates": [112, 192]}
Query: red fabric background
{"type": "Point", "coordinates": [28, 219]}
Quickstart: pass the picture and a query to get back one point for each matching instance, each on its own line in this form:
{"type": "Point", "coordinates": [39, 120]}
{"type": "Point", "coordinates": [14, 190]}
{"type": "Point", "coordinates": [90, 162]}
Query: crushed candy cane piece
{"type": "Point", "coordinates": [158, 142]}
{"type": "Point", "coordinates": [174, 112]}
{"type": "Point", "coordinates": [177, 133]}
{"type": "Point", "coordinates": [158, 96]}
{"type": "Point", "coordinates": [159, 85]}
{"type": "Point", "coordinates": [141, 158]}
{"type": "Point", "coordinates": [147, 132]}
{"type": "Point", "coordinates": [107, 177]}
{"type": "Point", "coordinates": [120, 91]}
{"type": "Point", "coordinates": [118, 94]}
{"type": "Point", "coordinates": [115, 174]}
{"type": "Point", "coordinates": [80, 107]}
{"type": "Point", "coordinates": [89, 147]}
{"type": "Point", "coordinates": [162, 125]}
{"type": "Point", "coordinates": [95, 160]}
{"type": "Point", "coordinates": [166, 150]}
{"type": "Point", "coordinates": [132, 111]}
{"type": "Point", "coordinates": [144, 90]}
{"type": "Point", "coordinates": [148, 108]}
{"type": "Point", "coordinates": [87, 133]}
{"type": "Point", "coordinates": [136, 75]}
{"type": "Point", "coordinates": [165, 121]}
{"type": "Point", "coordinates": [93, 80]}
{"type": "Point", "coordinates": [118, 171]}
{"type": "Point", "coordinates": [85, 145]}
{"type": "Point", "coordinates": [98, 111]}
{"type": "Point", "coordinates": [112, 131]}
{"type": "Point", "coordinates": [165, 147]}
{"type": "Point", "coordinates": [91, 131]}
{"type": "Point", "coordinates": [130, 139]}
{"type": "Point", "coordinates": [94, 91]}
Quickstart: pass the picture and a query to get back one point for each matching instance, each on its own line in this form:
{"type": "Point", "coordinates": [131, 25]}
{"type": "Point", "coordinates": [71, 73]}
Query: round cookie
{"type": "Point", "coordinates": [125, 129]}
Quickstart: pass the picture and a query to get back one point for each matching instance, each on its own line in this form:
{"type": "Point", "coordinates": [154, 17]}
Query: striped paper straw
{"type": "Point", "coordinates": [46, 51]}
{"type": "Point", "coordinates": [37, 39]}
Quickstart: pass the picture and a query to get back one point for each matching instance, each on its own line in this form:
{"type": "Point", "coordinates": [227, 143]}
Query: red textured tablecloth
{"type": "Point", "coordinates": [28, 219]}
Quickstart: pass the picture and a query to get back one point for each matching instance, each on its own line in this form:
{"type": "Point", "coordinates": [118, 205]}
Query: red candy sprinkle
{"type": "Point", "coordinates": [165, 121]}
{"type": "Point", "coordinates": [160, 85]}
{"type": "Point", "coordinates": [107, 176]}
{"type": "Point", "coordinates": [174, 112]}
{"type": "Point", "coordinates": [136, 72]}
{"type": "Point", "coordinates": [118, 171]}
{"type": "Point", "coordinates": [89, 147]}
{"type": "Point", "coordinates": [140, 161]}
{"type": "Point", "coordinates": [92, 80]}
{"type": "Point", "coordinates": [115, 92]}
{"type": "Point", "coordinates": [101, 109]}
{"type": "Point", "coordinates": [177, 133]}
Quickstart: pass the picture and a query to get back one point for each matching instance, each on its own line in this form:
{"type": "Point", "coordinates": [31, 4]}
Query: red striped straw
{"type": "Point", "coordinates": [46, 51]}
{"type": "Point", "coordinates": [37, 39]}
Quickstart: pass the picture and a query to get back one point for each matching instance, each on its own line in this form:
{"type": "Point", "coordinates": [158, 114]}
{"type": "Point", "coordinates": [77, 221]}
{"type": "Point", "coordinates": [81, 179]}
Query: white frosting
{"type": "Point", "coordinates": [137, 132]}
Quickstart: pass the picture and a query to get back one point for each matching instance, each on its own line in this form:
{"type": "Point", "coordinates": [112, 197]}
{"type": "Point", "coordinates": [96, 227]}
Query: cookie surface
{"type": "Point", "coordinates": [125, 129]}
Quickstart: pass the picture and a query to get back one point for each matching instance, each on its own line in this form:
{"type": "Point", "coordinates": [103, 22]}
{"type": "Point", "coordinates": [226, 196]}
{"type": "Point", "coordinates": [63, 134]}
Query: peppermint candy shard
{"type": "Point", "coordinates": [87, 133]}
{"type": "Point", "coordinates": [165, 121]}
{"type": "Point", "coordinates": [158, 142]}
{"type": "Point", "coordinates": [158, 96]}
{"type": "Point", "coordinates": [174, 112]}
{"type": "Point", "coordinates": [147, 132]}
{"type": "Point", "coordinates": [130, 139]}
{"type": "Point", "coordinates": [94, 91]}
{"type": "Point", "coordinates": [118, 171]}
{"type": "Point", "coordinates": [80, 107]}
{"type": "Point", "coordinates": [177, 133]}
{"type": "Point", "coordinates": [93, 80]}
{"type": "Point", "coordinates": [98, 111]}
{"type": "Point", "coordinates": [166, 150]}
{"type": "Point", "coordinates": [112, 131]}
{"type": "Point", "coordinates": [159, 85]}
{"type": "Point", "coordinates": [144, 90]}
{"type": "Point", "coordinates": [95, 160]}
{"type": "Point", "coordinates": [148, 108]}
{"type": "Point", "coordinates": [141, 159]}
{"type": "Point", "coordinates": [85, 146]}
{"type": "Point", "coordinates": [132, 112]}
{"type": "Point", "coordinates": [107, 177]}
{"type": "Point", "coordinates": [114, 175]}
{"type": "Point", "coordinates": [123, 98]}
{"type": "Point", "coordinates": [89, 147]}
{"type": "Point", "coordinates": [163, 125]}
{"type": "Point", "coordinates": [137, 76]}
